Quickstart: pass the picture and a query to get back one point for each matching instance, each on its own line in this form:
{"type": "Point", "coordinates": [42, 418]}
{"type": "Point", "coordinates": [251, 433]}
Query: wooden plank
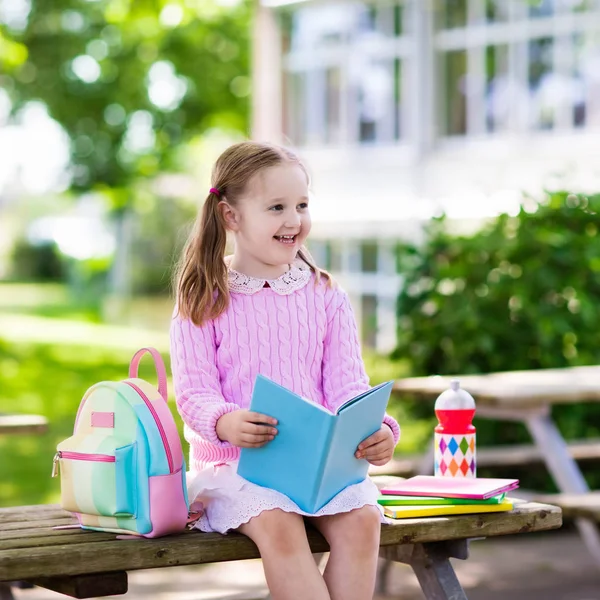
{"type": "Point", "coordinates": [194, 547]}
{"type": "Point", "coordinates": [38, 524]}
{"type": "Point", "coordinates": [45, 537]}
{"type": "Point", "coordinates": [15, 514]}
{"type": "Point", "coordinates": [521, 389]}
{"type": "Point", "coordinates": [505, 456]}
{"type": "Point", "coordinates": [86, 586]}
{"type": "Point", "coordinates": [21, 424]}
{"type": "Point", "coordinates": [575, 505]}
{"type": "Point", "coordinates": [30, 508]}
{"type": "Point", "coordinates": [27, 533]}
{"type": "Point", "coordinates": [435, 573]}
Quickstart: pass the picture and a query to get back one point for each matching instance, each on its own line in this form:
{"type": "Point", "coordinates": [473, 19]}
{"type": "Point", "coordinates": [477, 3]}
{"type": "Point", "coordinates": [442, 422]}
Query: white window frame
{"type": "Point", "coordinates": [516, 33]}
{"type": "Point", "coordinates": [315, 61]}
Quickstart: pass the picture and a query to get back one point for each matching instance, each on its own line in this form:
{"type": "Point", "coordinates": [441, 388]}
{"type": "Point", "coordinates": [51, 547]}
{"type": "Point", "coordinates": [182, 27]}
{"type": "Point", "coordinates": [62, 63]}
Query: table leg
{"type": "Point", "coordinates": [565, 472]}
{"type": "Point", "coordinates": [431, 565]}
{"type": "Point", "coordinates": [5, 592]}
{"type": "Point", "coordinates": [555, 452]}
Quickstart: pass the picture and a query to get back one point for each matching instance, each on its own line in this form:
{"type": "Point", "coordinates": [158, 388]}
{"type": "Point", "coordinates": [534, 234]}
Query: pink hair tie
{"type": "Point", "coordinates": [215, 191]}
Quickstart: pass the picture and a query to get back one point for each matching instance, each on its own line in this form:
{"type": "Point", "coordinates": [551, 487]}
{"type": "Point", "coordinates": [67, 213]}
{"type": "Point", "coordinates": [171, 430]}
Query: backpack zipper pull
{"type": "Point", "coordinates": [55, 464]}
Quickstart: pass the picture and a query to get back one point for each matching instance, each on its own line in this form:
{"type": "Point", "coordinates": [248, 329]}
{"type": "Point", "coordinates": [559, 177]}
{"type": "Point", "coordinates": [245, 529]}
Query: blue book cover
{"type": "Point", "coordinates": [312, 457]}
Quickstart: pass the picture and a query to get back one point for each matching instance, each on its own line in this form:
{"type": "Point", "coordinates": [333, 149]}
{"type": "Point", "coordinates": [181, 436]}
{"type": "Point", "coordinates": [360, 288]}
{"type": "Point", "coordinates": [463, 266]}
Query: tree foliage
{"type": "Point", "coordinates": [522, 293]}
{"type": "Point", "coordinates": [128, 80]}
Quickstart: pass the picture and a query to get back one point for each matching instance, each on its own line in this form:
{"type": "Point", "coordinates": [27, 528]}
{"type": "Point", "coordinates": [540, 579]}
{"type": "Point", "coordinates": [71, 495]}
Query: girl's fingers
{"type": "Point", "coordinates": [378, 455]}
{"type": "Point", "coordinates": [253, 429]}
{"type": "Point", "coordinates": [254, 417]}
{"type": "Point", "coordinates": [252, 445]}
{"type": "Point", "coordinates": [376, 451]}
{"type": "Point", "coordinates": [372, 440]}
{"type": "Point", "coordinates": [256, 439]}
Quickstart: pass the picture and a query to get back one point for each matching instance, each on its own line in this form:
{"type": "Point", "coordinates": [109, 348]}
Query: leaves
{"type": "Point", "coordinates": [130, 82]}
{"type": "Point", "coordinates": [522, 293]}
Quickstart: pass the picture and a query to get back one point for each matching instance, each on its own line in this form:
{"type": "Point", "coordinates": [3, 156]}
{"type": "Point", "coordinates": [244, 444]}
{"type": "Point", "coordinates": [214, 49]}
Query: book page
{"type": "Point", "coordinates": [350, 402]}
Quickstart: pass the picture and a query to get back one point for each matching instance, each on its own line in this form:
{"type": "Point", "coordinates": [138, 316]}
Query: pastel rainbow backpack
{"type": "Point", "coordinates": [123, 469]}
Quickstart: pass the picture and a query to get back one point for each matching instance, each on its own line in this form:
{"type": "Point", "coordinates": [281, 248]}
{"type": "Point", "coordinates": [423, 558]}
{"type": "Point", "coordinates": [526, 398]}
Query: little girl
{"type": "Point", "coordinates": [269, 309]}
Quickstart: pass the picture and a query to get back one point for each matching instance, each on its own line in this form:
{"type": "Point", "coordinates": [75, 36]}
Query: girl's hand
{"type": "Point", "coordinates": [246, 429]}
{"type": "Point", "coordinates": [377, 448]}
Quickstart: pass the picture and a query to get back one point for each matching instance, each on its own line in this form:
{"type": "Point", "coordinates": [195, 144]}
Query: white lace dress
{"type": "Point", "coordinates": [225, 499]}
{"type": "Point", "coordinates": [228, 500]}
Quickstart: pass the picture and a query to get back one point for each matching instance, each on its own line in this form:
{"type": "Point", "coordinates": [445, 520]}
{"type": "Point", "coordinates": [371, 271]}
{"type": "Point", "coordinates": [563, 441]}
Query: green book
{"type": "Point", "coordinates": [391, 500]}
{"type": "Point", "coordinates": [411, 512]}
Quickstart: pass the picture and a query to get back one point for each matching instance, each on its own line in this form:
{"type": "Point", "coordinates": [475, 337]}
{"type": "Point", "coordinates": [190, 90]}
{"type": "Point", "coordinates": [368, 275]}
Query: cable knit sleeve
{"type": "Point", "coordinates": [344, 374]}
{"type": "Point", "coordinates": [196, 379]}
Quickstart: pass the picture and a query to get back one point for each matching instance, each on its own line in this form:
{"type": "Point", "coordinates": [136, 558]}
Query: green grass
{"type": "Point", "coordinates": [47, 364]}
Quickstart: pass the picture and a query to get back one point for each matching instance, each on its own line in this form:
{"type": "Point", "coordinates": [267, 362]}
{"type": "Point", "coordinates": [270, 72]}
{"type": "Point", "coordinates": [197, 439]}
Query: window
{"type": "Point", "coordinates": [369, 253]}
{"type": "Point", "coordinates": [359, 72]}
{"type": "Point", "coordinates": [586, 80]}
{"type": "Point", "coordinates": [496, 11]}
{"type": "Point", "coordinates": [378, 99]}
{"type": "Point", "coordinates": [453, 13]}
{"type": "Point", "coordinates": [455, 88]}
{"type": "Point", "coordinates": [497, 88]}
{"type": "Point", "coordinates": [344, 72]}
{"type": "Point", "coordinates": [368, 305]}
{"type": "Point", "coordinates": [524, 66]}
{"type": "Point", "coordinates": [541, 8]}
{"type": "Point", "coordinates": [543, 84]}
{"type": "Point", "coordinates": [334, 257]}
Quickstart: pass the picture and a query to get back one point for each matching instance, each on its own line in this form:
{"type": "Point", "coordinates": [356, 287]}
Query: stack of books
{"type": "Point", "coordinates": [428, 496]}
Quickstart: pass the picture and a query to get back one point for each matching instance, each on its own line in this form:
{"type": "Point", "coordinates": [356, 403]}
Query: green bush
{"type": "Point", "coordinates": [36, 262]}
{"type": "Point", "coordinates": [521, 293]}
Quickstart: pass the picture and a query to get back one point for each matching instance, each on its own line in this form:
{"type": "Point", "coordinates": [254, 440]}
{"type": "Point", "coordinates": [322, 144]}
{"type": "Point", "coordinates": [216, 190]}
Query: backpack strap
{"type": "Point", "coordinates": [158, 364]}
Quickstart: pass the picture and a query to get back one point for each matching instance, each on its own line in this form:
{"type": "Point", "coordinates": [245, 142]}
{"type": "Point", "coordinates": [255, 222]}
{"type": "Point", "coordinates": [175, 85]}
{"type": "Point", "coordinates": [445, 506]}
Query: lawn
{"type": "Point", "coordinates": [47, 364]}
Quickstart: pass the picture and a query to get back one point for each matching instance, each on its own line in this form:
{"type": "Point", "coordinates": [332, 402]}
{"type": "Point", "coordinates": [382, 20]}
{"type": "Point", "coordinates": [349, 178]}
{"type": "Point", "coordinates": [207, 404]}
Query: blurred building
{"type": "Point", "coordinates": [406, 108]}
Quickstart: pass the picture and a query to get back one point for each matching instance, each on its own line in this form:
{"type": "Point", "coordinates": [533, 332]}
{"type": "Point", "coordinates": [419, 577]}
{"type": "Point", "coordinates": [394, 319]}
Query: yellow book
{"type": "Point", "coordinates": [409, 512]}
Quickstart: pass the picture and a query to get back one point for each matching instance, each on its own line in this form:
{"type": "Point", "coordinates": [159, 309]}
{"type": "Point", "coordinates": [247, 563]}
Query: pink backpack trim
{"type": "Point", "coordinates": [158, 364]}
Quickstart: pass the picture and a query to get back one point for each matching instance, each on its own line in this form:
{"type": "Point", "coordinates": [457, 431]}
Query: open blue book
{"type": "Point", "coordinates": [312, 457]}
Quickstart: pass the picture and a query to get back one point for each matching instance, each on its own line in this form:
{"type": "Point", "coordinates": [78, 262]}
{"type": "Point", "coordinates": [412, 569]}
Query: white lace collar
{"type": "Point", "coordinates": [298, 275]}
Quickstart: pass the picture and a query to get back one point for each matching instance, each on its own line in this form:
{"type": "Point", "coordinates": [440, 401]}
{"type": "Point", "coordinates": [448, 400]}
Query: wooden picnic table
{"type": "Point", "coordinates": [21, 424]}
{"type": "Point", "coordinates": [87, 564]}
{"type": "Point", "coordinates": [527, 397]}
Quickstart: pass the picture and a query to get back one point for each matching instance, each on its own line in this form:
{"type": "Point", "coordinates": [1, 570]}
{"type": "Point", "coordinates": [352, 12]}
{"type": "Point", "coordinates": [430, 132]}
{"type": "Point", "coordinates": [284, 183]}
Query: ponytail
{"type": "Point", "coordinates": [201, 280]}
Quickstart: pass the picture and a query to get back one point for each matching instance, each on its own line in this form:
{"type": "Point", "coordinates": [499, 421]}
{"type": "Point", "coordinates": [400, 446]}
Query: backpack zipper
{"type": "Point", "coordinates": [79, 456]}
{"type": "Point", "coordinates": [161, 430]}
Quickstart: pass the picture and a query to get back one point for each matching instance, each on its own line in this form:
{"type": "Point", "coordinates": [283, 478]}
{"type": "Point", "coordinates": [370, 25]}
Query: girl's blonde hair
{"type": "Point", "coordinates": [201, 275]}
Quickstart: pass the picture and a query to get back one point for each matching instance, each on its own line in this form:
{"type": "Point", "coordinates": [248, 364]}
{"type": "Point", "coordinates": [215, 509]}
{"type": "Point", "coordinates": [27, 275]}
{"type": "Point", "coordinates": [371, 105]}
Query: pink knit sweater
{"type": "Point", "coordinates": [301, 335]}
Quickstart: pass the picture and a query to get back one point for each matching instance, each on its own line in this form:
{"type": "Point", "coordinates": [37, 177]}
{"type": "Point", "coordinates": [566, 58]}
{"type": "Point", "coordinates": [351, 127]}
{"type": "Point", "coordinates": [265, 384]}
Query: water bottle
{"type": "Point", "coordinates": [455, 434]}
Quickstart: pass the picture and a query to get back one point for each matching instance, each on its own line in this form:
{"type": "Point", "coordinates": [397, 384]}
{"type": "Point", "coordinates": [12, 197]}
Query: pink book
{"type": "Point", "coordinates": [478, 488]}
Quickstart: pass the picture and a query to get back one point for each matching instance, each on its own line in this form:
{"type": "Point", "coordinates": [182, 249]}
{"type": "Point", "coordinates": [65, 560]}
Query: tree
{"type": "Point", "coordinates": [130, 81]}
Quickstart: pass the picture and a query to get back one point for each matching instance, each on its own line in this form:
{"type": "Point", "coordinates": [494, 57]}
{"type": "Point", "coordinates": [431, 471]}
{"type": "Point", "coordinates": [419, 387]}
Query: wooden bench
{"type": "Point", "coordinates": [573, 506]}
{"type": "Point", "coordinates": [86, 564]}
{"type": "Point", "coordinates": [20, 424]}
